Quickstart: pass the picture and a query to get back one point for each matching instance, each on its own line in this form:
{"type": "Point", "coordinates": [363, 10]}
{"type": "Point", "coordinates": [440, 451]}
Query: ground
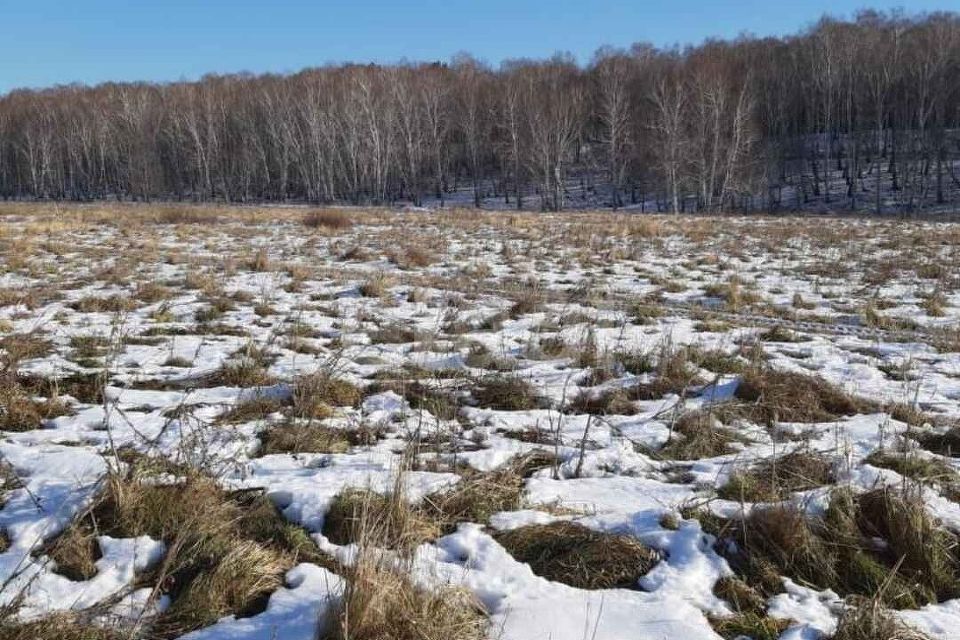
{"type": "Point", "coordinates": [244, 422]}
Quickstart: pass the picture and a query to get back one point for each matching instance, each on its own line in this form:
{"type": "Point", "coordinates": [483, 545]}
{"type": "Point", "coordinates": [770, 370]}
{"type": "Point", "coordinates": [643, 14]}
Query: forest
{"type": "Point", "coordinates": [857, 115]}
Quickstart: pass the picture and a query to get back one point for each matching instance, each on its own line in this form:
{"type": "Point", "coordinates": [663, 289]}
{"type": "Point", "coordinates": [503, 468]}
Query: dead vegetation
{"type": "Point", "coordinates": [226, 551]}
{"type": "Point", "coordinates": [749, 617]}
{"type": "Point", "coordinates": [317, 394]}
{"type": "Point", "coordinates": [771, 395]}
{"type": "Point", "coordinates": [879, 542]}
{"type": "Point", "coordinates": [381, 601]}
{"type": "Point", "coordinates": [400, 524]}
{"type": "Point", "coordinates": [777, 478]}
{"type": "Point", "coordinates": [506, 393]}
{"type": "Point", "coordinates": [701, 433]}
{"type": "Point", "coordinates": [395, 523]}
{"type": "Point", "coordinates": [57, 627]}
{"type": "Point", "coordinates": [674, 373]}
{"type": "Point", "coordinates": [869, 620]}
{"type": "Point", "coordinates": [571, 553]}
{"type": "Point", "coordinates": [327, 219]}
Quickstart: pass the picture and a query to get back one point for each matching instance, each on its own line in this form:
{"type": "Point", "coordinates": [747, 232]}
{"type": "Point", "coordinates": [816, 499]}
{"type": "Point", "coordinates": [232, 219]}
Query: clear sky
{"type": "Point", "coordinates": [47, 42]}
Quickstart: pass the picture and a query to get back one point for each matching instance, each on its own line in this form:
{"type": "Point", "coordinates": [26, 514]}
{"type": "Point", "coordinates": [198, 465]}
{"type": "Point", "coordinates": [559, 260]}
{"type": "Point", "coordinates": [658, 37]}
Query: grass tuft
{"type": "Point", "coordinates": [571, 553]}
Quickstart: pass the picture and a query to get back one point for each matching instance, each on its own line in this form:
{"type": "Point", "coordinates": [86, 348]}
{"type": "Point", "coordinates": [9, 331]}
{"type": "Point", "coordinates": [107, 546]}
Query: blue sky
{"type": "Point", "coordinates": [47, 42]}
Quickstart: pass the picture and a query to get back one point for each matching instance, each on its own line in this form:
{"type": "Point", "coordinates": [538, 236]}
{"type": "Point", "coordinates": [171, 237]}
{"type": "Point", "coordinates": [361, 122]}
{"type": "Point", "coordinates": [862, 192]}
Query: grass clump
{"type": "Point", "coordinates": [327, 219]}
{"type": "Point", "coordinates": [506, 393]}
{"type": "Point", "coordinates": [376, 286]}
{"type": "Point", "coordinates": [355, 513]}
{"type": "Point", "coordinates": [227, 551]}
{"type": "Point", "coordinates": [777, 478]}
{"type": "Point", "coordinates": [749, 624]}
{"type": "Point", "coordinates": [381, 601]}
{"type": "Point", "coordinates": [241, 372]}
{"type": "Point", "coordinates": [315, 395]}
{"type": "Point", "coordinates": [440, 403]}
{"type": "Point", "coordinates": [926, 470]}
{"type": "Point", "coordinates": [20, 411]}
{"type": "Point", "coordinates": [571, 553]}
{"type": "Point", "coordinates": [478, 495]}
{"type": "Point", "coordinates": [946, 443]}
{"type": "Point", "coordinates": [255, 408]}
{"type": "Point", "coordinates": [309, 437]}
{"type": "Point", "coordinates": [674, 373]}
{"type": "Point", "coordinates": [700, 433]}
{"type": "Point", "coordinates": [109, 304]}
{"type": "Point", "coordinates": [17, 347]}
{"type": "Point", "coordinates": [75, 553]}
{"type": "Point", "coordinates": [607, 402]}
{"type": "Point", "coordinates": [57, 627]}
{"type": "Point", "coordinates": [882, 541]}
{"type": "Point", "coordinates": [771, 396]}
{"type": "Point", "coordinates": [869, 620]}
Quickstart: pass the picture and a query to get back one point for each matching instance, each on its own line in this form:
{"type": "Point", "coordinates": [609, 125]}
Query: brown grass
{"type": "Point", "coordinates": [700, 433]}
{"type": "Point", "coordinates": [771, 396]}
{"type": "Point", "coordinates": [381, 602]}
{"type": "Point", "coordinates": [396, 524]}
{"type": "Point", "coordinates": [57, 627]}
{"type": "Point", "coordinates": [19, 411]}
{"type": "Point", "coordinates": [327, 219]}
{"type": "Point", "coordinates": [316, 394]}
{"type": "Point", "coordinates": [308, 437]}
{"type": "Point", "coordinates": [226, 552]}
{"type": "Point", "coordinates": [376, 286]}
{"type": "Point", "coordinates": [915, 565]}
{"type": "Point", "coordinates": [506, 393]}
{"type": "Point", "coordinates": [777, 478]}
{"type": "Point", "coordinates": [570, 553]}
{"type": "Point", "coordinates": [674, 373]}
{"type": "Point", "coordinates": [868, 620]}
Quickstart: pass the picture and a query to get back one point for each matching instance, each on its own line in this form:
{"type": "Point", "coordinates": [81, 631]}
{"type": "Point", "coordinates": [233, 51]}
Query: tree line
{"type": "Point", "coordinates": [860, 114]}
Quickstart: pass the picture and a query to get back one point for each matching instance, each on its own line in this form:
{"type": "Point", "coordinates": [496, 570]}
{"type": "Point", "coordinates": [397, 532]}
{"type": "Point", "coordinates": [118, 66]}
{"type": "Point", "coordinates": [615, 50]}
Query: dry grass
{"type": "Point", "coordinates": [674, 373]}
{"type": "Point", "coordinates": [927, 470]}
{"type": "Point", "coordinates": [17, 347]}
{"type": "Point", "coordinates": [376, 286]}
{"type": "Point", "coordinates": [75, 553]}
{"type": "Point", "coordinates": [381, 602]}
{"type": "Point", "coordinates": [241, 372]}
{"type": "Point", "coordinates": [868, 620]}
{"type": "Point", "coordinates": [700, 433]}
{"type": "Point", "coordinates": [395, 523]}
{"type": "Point", "coordinates": [777, 478]}
{"type": "Point", "coordinates": [608, 402]}
{"type": "Point", "coordinates": [315, 395]}
{"type": "Point", "coordinates": [307, 437]}
{"type": "Point", "coordinates": [438, 402]}
{"type": "Point", "coordinates": [226, 552]}
{"type": "Point", "coordinates": [506, 393]}
{"type": "Point", "coordinates": [479, 495]}
{"type": "Point", "coordinates": [327, 220]}
{"type": "Point", "coordinates": [915, 563]}
{"type": "Point", "coordinates": [250, 410]}
{"type": "Point", "coordinates": [57, 627]}
{"type": "Point", "coordinates": [109, 304]}
{"type": "Point", "coordinates": [570, 553]}
{"type": "Point", "coordinates": [412, 257]}
{"type": "Point", "coordinates": [945, 443]}
{"type": "Point", "coordinates": [770, 395]}
{"type": "Point", "coordinates": [20, 411]}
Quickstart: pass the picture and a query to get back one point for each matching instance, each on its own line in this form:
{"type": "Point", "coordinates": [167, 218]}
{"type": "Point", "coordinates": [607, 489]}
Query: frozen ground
{"type": "Point", "coordinates": [186, 339]}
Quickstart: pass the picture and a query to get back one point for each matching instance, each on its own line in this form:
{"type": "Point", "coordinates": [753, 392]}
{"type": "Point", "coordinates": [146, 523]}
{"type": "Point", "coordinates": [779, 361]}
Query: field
{"type": "Point", "coordinates": [256, 423]}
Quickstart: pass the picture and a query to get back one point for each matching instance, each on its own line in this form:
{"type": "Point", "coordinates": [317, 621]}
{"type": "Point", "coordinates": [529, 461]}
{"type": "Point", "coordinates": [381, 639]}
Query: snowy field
{"type": "Point", "coordinates": [252, 424]}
